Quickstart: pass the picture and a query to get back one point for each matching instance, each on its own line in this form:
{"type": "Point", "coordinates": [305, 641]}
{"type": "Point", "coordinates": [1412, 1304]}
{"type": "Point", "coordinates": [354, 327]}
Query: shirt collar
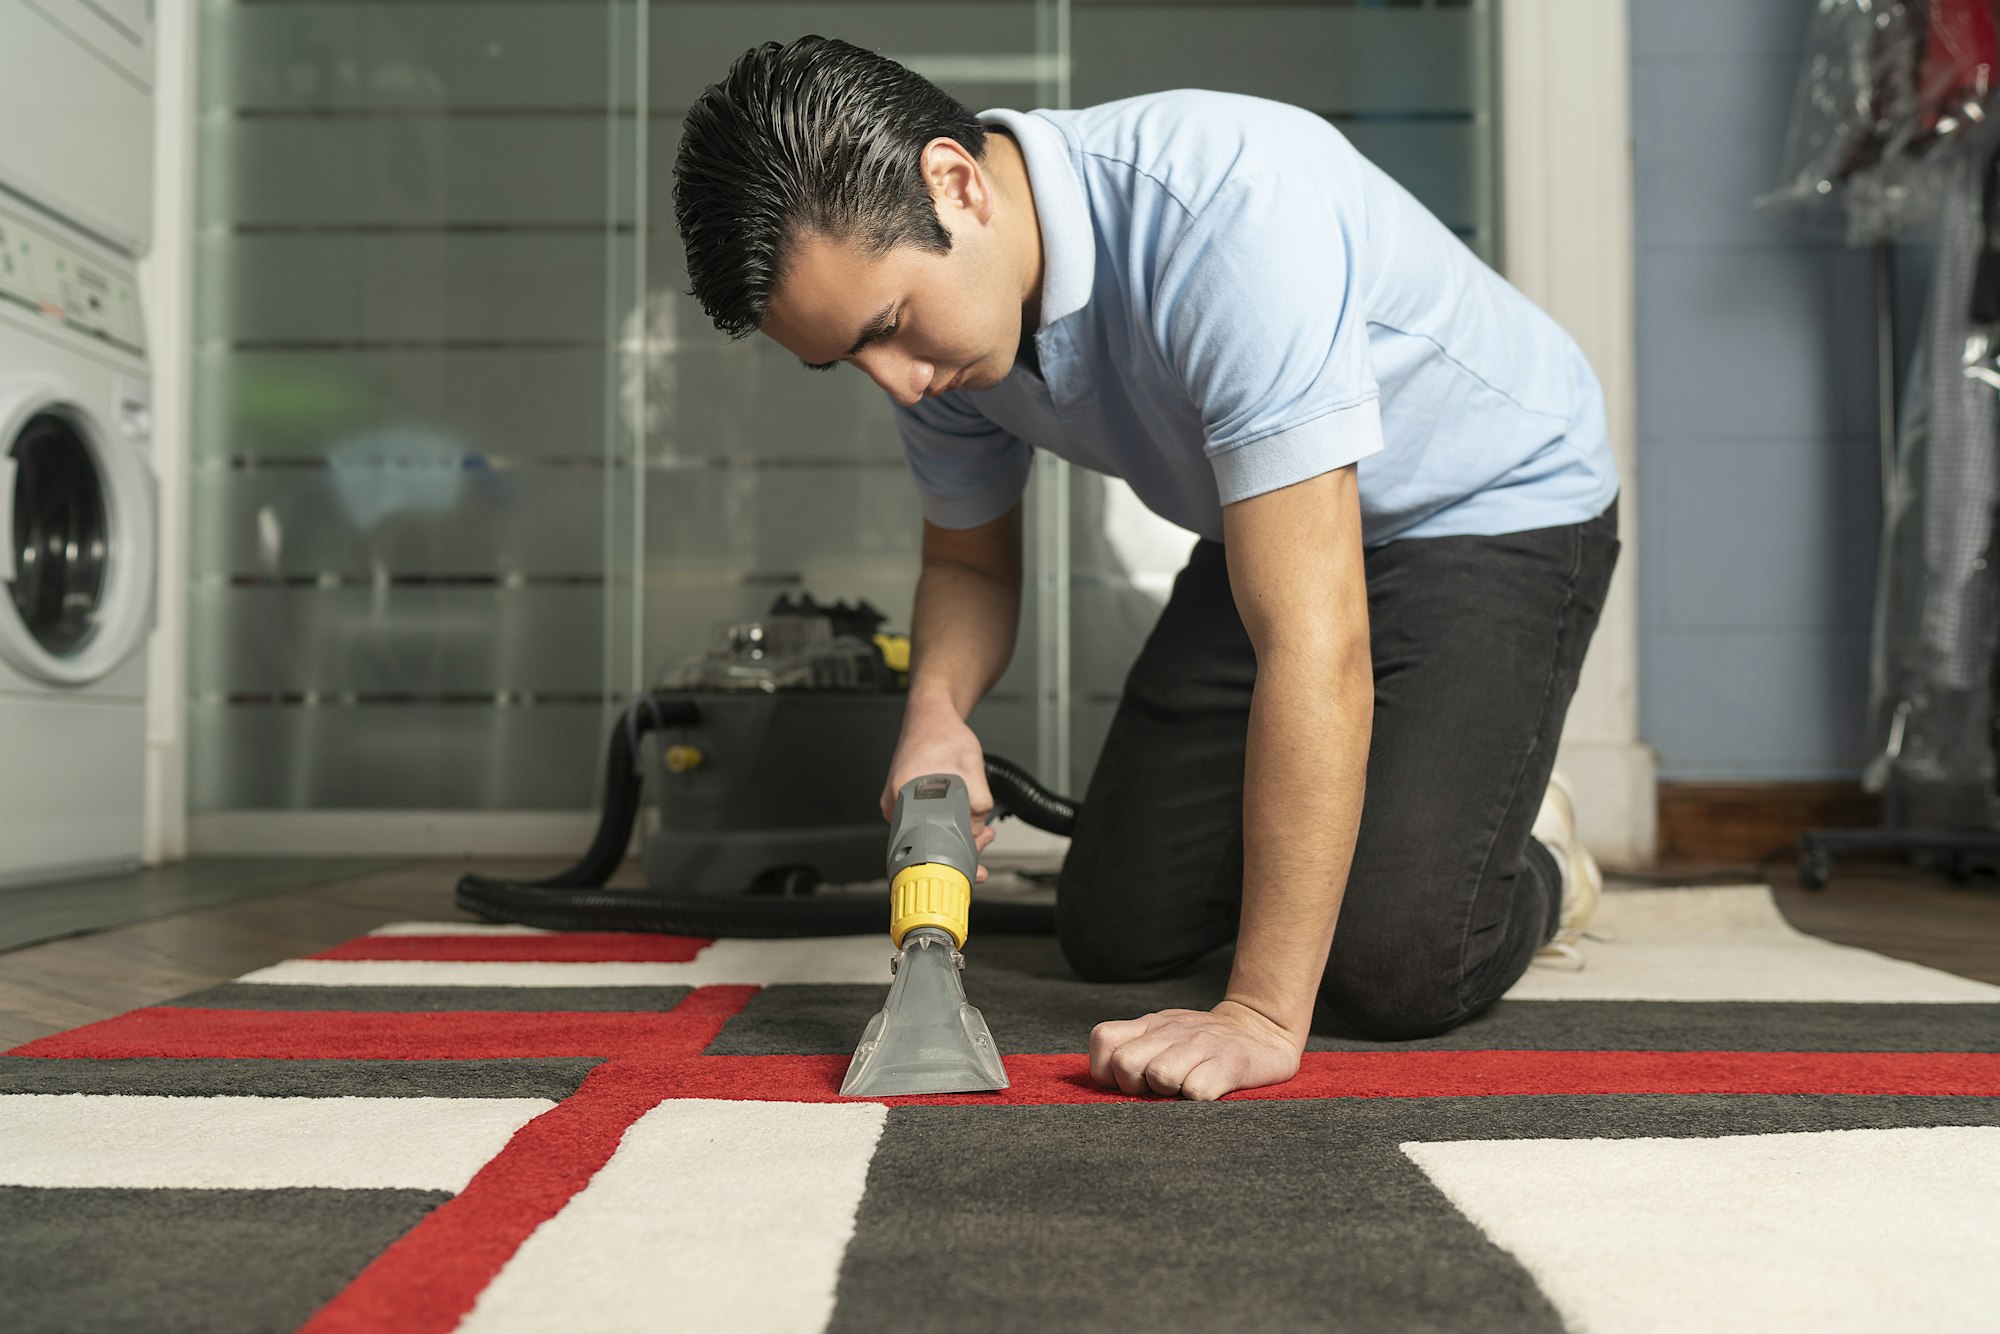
{"type": "Point", "coordinates": [1069, 247]}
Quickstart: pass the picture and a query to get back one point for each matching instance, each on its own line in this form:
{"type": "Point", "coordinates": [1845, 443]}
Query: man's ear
{"type": "Point", "coordinates": [956, 178]}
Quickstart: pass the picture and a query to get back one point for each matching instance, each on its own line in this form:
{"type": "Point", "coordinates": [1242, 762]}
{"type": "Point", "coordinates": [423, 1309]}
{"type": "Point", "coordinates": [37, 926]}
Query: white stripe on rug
{"type": "Point", "coordinates": [78, 1139]}
{"type": "Point", "coordinates": [1709, 944]}
{"type": "Point", "coordinates": [1833, 1231]}
{"type": "Point", "coordinates": [710, 1216]}
{"type": "Point", "coordinates": [1731, 944]}
{"type": "Point", "coordinates": [839, 959]}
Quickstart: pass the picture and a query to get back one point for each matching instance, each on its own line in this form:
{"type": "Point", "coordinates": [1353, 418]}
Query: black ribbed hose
{"type": "Point", "coordinates": [574, 899]}
{"type": "Point", "coordinates": [623, 785]}
{"type": "Point", "coordinates": [1018, 795]}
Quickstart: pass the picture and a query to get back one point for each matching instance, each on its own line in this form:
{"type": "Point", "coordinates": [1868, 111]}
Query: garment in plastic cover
{"type": "Point", "coordinates": [1932, 677]}
{"type": "Point", "coordinates": [1887, 86]}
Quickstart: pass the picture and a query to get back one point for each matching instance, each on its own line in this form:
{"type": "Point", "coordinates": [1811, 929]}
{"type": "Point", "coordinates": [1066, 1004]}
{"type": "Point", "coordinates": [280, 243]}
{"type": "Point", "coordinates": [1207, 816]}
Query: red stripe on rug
{"type": "Point", "coordinates": [367, 1035]}
{"type": "Point", "coordinates": [566, 947]}
{"type": "Point", "coordinates": [1041, 1080]}
{"type": "Point", "coordinates": [671, 1038]}
{"type": "Point", "coordinates": [429, 1279]}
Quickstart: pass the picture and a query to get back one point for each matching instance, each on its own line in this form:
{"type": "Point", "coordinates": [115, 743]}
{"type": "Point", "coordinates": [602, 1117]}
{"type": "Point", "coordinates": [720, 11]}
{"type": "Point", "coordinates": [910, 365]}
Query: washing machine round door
{"type": "Point", "coordinates": [77, 518]}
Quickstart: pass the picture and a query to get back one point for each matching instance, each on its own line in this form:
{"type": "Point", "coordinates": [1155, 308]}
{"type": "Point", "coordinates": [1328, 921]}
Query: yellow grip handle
{"type": "Point", "coordinates": [930, 894]}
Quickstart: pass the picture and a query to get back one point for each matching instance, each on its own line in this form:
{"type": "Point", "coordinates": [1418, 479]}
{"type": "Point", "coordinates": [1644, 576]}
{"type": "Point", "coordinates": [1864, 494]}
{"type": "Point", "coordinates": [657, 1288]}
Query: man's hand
{"type": "Point", "coordinates": [1193, 1054]}
{"type": "Point", "coordinates": [936, 740]}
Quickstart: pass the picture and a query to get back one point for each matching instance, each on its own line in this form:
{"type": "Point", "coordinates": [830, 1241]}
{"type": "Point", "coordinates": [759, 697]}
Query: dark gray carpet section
{"type": "Point", "coordinates": [1034, 1003]}
{"type": "Point", "coordinates": [1024, 1016]}
{"type": "Point", "coordinates": [550, 1077]}
{"type": "Point", "coordinates": [81, 1261]}
{"type": "Point", "coordinates": [1711, 1026]}
{"type": "Point", "coordinates": [263, 996]}
{"type": "Point", "coordinates": [1224, 1216]}
{"type": "Point", "coordinates": [1031, 1000]}
{"type": "Point", "coordinates": [1635, 1116]}
{"type": "Point", "coordinates": [31, 914]}
{"type": "Point", "coordinates": [1039, 1015]}
{"type": "Point", "coordinates": [1197, 1217]}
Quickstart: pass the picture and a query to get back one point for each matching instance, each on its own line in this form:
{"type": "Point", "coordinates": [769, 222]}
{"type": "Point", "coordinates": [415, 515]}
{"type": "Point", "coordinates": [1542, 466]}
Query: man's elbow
{"type": "Point", "coordinates": [991, 551]}
{"type": "Point", "coordinates": [1330, 652]}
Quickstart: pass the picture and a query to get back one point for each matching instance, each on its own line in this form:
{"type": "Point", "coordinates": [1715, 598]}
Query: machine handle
{"type": "Point", "coordinates": [7, 470]}
{"type": "Point", "coordinates": [933, 823]}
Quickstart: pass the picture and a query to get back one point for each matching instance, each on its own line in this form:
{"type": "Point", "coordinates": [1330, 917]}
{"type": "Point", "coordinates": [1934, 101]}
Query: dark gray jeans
{"type": "Point", "coordinates": [1477, 643]}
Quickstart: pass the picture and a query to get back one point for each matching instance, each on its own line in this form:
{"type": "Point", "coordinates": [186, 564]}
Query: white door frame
{"type": "Point", "coordinates": [166, 279]}
{"type": "Point", "coordinates": [1565, 177]}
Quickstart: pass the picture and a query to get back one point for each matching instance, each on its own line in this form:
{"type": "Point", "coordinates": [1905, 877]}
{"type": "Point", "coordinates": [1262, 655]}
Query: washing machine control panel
{"type": "Point", "coordinates": [63, 280]}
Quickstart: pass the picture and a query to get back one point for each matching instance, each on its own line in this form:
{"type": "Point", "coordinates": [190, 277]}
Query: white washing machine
{"type": "Point", "coordinates": [78, 552]}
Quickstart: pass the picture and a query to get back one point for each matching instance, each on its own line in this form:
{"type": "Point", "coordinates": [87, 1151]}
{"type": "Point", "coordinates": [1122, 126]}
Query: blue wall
{"type": "Point", "coordinates": [1756, 414]}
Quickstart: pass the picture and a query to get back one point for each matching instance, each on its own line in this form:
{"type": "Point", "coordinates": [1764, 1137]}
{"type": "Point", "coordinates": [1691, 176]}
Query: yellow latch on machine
{"type": "Point", "coordinates": [895, 651]}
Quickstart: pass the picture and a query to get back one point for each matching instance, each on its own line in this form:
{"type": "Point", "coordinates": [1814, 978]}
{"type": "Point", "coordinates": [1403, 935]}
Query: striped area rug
{"type": "Point", "coordinates": [1719, 1124]}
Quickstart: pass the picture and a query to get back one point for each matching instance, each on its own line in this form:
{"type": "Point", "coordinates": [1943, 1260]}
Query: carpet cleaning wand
{"type": "Point", "coordinates": [927, 1039]}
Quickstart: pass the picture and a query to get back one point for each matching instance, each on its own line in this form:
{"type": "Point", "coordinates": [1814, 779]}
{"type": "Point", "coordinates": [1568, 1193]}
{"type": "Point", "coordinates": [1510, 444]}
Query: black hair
{"type": "Point", "coordinates": [817, 136]}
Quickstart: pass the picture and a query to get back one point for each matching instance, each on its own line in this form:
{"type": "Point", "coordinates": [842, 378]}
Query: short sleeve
{"type": "Point", "coordinates": [968, 470]}
{"type": "Point", "coordinates": [1258, 309]}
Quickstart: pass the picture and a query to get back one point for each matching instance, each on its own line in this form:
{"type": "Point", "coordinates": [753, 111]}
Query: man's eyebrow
{"type": "Point", "coordinates": [878, 324]}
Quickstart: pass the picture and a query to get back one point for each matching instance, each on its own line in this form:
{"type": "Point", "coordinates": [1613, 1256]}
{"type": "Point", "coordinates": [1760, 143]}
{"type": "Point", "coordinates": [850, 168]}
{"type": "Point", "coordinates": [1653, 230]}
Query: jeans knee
{"type": "Point", "coordinates": [1401, 1023]}
{"type": "Point", "coordinates": [1097, 952]}
{"type": "Point", "coordinates": [1389, 1007]}
{"type": "Point", "coordinates": [1091, 960]}
{"type": "Point", "coordinates": [1102, 944]}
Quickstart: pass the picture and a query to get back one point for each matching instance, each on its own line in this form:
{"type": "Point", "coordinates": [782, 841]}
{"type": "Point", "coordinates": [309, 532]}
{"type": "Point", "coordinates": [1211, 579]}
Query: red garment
{"type": "Point", "coordinates": [1961, 52]}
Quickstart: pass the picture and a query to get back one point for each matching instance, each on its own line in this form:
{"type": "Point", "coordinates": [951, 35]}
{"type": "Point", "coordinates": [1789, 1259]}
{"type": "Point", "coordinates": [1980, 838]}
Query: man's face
{"type": "Point", "coordinates": [914, 322]}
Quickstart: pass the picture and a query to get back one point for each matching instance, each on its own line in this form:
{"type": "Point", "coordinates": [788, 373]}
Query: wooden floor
{"type": "Point", "coordinates": [49, 987]}
{"type": "Point", "coordinates": [1902, 912]}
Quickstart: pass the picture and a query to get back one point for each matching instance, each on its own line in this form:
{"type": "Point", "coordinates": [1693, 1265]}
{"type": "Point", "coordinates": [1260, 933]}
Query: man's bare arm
{"type": "Point", "coordinates": [968, 609]}
{"type": "Point", "coordinates": [1297, 572]}
{"type": "Point", "coordinates": [961, 638]}
{"type": "Point", "coordinates": [1296, 569]}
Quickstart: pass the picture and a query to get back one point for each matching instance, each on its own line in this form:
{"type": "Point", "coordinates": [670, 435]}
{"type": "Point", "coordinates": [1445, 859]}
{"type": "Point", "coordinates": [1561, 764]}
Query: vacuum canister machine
{"type": "Point", "coordinates": [771, 751]}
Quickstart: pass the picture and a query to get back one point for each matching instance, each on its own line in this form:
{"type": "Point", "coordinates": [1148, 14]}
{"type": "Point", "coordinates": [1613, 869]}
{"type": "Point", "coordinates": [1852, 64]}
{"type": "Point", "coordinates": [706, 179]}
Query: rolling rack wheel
{"type": "Point", "coordinates": [1815, 863]}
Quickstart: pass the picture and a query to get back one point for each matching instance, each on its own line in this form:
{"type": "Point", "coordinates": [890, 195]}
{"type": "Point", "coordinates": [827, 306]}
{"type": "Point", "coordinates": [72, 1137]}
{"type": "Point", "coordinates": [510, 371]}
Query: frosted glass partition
{"type": "Point", "coordinates": [406, 457]}
{"type": "Point", "coordinates": [470, 467]}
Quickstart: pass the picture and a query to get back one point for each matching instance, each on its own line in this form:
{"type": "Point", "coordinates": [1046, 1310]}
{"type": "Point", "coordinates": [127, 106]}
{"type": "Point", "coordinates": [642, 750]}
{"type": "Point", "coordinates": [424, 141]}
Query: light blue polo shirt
{"type": "Point", "coordinates": [1235, 300]}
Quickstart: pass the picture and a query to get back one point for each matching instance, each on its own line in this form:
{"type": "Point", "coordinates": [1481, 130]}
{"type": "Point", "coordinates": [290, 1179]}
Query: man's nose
{"type": "Point", "coordinates": [903, 378]}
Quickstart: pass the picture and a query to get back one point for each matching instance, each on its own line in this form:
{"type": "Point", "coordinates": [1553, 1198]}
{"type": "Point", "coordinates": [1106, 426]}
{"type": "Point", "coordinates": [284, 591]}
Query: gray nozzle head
{"type": "Point", "coordinates": [927, 1038]}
